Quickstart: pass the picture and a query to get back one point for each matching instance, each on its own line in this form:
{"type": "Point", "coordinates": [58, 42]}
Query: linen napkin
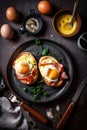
{"type": "Point", "coordinates": [10, 117]}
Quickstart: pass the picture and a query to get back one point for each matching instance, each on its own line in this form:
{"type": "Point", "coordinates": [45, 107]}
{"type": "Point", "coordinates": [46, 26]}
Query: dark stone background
{"type": "Point", "coordinates": [78, 118]}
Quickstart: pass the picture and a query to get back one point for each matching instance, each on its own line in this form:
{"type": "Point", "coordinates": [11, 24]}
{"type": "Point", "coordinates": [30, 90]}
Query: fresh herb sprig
{"type": "Point", "coordinates": [38, 91]}
{"type": "Point", "coordinates": [45, 51]}
{"type": "Point", "coordinates": [59, 59]}
{"type": "Point", "coordinates": [37, 41]}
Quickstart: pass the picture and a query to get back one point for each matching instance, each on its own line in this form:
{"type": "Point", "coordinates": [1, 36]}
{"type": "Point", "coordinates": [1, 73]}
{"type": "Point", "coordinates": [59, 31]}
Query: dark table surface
{"type": "Point", "coordinates": [78, 118]}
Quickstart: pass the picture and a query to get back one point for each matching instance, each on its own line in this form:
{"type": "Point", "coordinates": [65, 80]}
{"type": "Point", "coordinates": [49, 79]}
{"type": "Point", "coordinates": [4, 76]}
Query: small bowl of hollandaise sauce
{"type": "Point", "coordinates": [61, 23]}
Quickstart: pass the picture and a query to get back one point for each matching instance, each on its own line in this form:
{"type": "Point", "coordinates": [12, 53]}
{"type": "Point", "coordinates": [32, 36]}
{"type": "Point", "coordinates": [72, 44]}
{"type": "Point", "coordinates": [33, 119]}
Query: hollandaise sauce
{"type": "Point", "coordinates": [63, 24]}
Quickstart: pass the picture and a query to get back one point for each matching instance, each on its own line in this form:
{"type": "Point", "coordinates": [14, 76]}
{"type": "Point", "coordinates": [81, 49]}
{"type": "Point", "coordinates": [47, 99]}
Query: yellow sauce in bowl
{"type": "Point", "coordinates": [63, 24]}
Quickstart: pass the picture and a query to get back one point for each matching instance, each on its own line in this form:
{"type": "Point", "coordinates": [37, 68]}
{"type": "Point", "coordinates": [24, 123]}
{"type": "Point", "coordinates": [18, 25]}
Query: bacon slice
{"type": "Point", "coordinates": [64, 75]}
{"type": "Point", "coordinates": [49, 60]}
{"type": "Point", "coordinates": [55, 64]}
{"type": "Point", "coordinates": [28, 78]}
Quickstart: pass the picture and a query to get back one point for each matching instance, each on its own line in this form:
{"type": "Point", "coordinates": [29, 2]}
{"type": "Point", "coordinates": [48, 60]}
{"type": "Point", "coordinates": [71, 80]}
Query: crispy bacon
{"type": "Point", "coordinates": [28, 78]}
{"type": "Point", "coordinates": [60, 67]}
{"type": "Point", "coordinates": [57, 65]}
{"type": "Point", "coordinates": [64, 75]}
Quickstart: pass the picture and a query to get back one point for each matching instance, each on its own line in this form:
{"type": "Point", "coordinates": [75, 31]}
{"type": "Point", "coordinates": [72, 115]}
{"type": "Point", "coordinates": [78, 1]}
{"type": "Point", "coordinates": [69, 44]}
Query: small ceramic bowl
{"type": "Point", "coordinates": [60, 20]}
{"type": "Point", "coordinates": [32, 24]}
{"type": "Point", "coordinates": [82, 41]}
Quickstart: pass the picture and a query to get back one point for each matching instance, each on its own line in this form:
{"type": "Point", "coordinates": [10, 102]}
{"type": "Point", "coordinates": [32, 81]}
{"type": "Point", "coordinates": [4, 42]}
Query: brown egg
{"type": "Point", "coordinates": [6, 31]}
{"type": "Point", "coordinates": [44, 7]}
{"type": "Point", "coordinates": [12, 14]}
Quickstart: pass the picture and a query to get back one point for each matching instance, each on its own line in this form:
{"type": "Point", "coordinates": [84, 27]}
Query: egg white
{"type": "Point", "coordinates": [23, 59]}
{"type": "Point", "coordinates": [17, 68]}
{"type": "Point", "coordinates": [44, 71]}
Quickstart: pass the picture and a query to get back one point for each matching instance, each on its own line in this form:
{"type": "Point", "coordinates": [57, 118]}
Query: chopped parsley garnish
{"type": "Point", "coordinates": [38, 91]}
{"type": "Point", "coordinates": [28, 62]}
{"type": "Point", "coordinates": [46, 93]}
{"type": "Point", "coordinates": [41, 81]}
{"type": "Point", "coordinates": [59, 116]}
{"type": "Point", "coordinates": [25, 89]}
{"type": "Point", "coordinates": [59, 59]}
{"type": "Point", "coordinates": [37, 41]}
{"type": "Point", "coordinates": [45, 51]}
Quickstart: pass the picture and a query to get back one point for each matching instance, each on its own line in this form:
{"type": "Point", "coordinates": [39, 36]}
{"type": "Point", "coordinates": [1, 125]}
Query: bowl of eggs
{"type": "Point", "coordinates": [61, 22]}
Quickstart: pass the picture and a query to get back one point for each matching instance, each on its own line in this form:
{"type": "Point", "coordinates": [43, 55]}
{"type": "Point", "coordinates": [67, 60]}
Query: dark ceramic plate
{"type": "Point", "coordinates": [55, 50]}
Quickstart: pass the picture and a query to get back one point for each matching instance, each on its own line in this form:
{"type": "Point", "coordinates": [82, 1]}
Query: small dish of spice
{"type": "Point", "coordinates": [32, 24]}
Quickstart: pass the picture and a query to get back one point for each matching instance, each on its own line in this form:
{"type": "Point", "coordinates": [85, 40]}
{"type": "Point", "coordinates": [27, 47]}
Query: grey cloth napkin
{"type": "Point", "coordinates": [11, 117]}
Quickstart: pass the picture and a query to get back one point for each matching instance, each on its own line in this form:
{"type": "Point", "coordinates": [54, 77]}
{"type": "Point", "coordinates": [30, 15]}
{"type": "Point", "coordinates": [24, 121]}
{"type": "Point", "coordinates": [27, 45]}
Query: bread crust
{"type": "Point", "coordinates": [56, 84]}
{"type": "Point", "coordinates": [42, 61]}
{"type": "Point", "coordinates": [27, 79]}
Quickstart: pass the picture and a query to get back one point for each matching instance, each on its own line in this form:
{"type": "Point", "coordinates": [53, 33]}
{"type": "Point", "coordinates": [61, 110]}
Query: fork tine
{"type": "Point", "coordinates": [10, 96]}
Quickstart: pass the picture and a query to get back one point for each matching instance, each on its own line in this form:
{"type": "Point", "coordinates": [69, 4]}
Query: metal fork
{"type": "Point", "coordinates": [30, 121]}
{"type": "Point", "coordinates": [31, 110]}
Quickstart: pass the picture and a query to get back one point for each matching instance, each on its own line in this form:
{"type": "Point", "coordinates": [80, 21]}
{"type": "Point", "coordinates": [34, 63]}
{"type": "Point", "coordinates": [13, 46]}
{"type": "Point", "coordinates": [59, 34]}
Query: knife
{"type": "Point", "coordinates": [68, 111]}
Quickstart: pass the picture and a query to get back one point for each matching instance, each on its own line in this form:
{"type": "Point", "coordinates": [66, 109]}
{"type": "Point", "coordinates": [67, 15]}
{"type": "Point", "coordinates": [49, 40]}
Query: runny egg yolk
{"type": "Point", "coordinates": [23, 69]}
{"type": "Point", "coordinates": [52, 74]}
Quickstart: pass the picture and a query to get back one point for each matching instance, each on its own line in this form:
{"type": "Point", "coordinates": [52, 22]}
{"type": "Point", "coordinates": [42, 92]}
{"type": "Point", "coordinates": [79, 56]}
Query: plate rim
{"type": "Point", "coordinates": [48, 40]}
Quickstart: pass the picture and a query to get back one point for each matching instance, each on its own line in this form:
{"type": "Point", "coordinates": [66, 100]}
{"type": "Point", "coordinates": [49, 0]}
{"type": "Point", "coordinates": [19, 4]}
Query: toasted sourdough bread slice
{"type": "Point", "coordinates": [29, 74]}
{"type": "Point", "coordinates": [50, 62]}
